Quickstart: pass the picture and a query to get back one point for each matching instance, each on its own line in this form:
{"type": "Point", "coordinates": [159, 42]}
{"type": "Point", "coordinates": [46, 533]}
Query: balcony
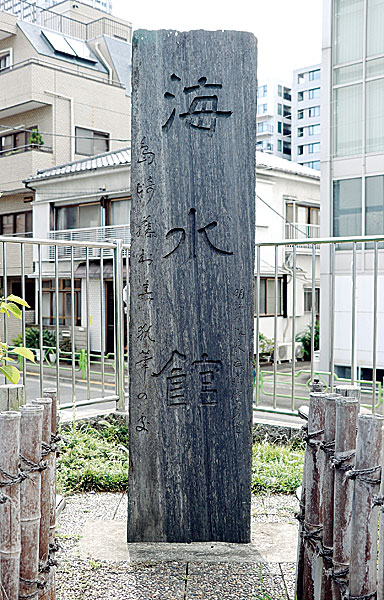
{"type": "Point", "coordinates": [20, 164]}
{"type": "Point", "coordinates": [302, 231]}
{"type": "Point", "coordinates": [108, 233]}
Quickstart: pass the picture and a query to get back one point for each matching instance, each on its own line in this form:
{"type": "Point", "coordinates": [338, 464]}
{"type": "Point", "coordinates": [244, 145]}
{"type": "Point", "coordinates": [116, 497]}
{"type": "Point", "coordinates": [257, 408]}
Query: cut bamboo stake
{"type": "Point", "coordinates": [52, 394]}
{"type": "Point", "coordinates": [380, 502]}
{"type": "Point", "coordinates": [315, 386]}
{"type": "Point", "coordinates": [344, 460]}
{"type": "Point", "coordinates": [11, 396]}
{"type": "Point", "coordinates": [362, 579]}
{"type": "Point", "coordinates": [30, 458]}
{"type": "Point", "coordinates": [350, 391]}
{"type": "Point", "coordinates": [45, 503]}
{"type": "Point", "coordinates": [328, 493]}
{"type": "Point", "coordinates": [10, 508]}
{"type": "Point", "coordinates": [312, 533]}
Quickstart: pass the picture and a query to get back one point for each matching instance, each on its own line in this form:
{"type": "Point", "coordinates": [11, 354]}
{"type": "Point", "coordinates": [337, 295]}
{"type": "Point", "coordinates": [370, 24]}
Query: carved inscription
{"type": "Point", "coordinates": [202, 105]}
{"type": "Point", "coordinates": [190, 235]}
{"type": "Point", "coordinates": [238, 366]}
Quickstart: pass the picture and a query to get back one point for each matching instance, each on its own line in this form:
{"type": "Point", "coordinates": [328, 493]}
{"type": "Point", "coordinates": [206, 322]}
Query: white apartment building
{"type": "Point", "coordinates": [287, 207]}
{"type": "Point", "coordinates": [306, 116]}
{"type": "Point", "coordinates": [30, 10]}
{"type": "Point", "coordinates": [274, 118]}
{"type": "Point", "coordinates": [352, 170]}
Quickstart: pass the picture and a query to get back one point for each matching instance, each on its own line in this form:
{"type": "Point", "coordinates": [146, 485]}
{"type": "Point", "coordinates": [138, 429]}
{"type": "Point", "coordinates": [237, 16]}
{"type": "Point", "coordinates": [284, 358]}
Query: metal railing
{"type": "Point", "coordinates": [103, 373]}
{"type": "Point", "coordinates": [25, 148]}
{"type": "Point", "coordinates": [29, 12]}
{"type": "Point", "coordinates": [351, 268]}
{"type": "Point", "coordinates": [108, 233]}
{"type": "Point", "coordinates": [301, 231]}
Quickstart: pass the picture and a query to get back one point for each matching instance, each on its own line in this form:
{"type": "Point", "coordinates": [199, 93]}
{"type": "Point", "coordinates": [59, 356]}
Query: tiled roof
{"type": "Point", "coordinates": [100, 161]}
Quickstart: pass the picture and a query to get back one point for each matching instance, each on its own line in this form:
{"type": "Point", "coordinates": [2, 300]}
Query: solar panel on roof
{"type": "Point", "coordinates": [59, 43]}
{"type": "Point", "coordinates": [81, 49]}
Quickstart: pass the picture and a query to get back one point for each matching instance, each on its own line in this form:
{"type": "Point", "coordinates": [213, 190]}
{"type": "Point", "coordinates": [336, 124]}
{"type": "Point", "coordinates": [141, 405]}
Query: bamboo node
{"type": "Point", "coordinates": [363, 475]}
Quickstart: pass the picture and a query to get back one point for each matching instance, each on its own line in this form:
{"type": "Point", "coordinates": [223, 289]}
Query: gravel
{"type": "Point", "coordinates": [90, 579]}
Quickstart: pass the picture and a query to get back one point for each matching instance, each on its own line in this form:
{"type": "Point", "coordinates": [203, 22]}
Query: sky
{"type": "Point", "coordinates": [288, 31]}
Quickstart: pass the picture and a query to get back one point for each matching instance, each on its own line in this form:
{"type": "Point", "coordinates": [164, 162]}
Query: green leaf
{"type": "Point", "coordinates": [11, 373]}
{"type": "Point", "coordinates": [14, 310]}
{"type": "Point", "coordinates": [26, 352]}
{"type": "Point", "coordinates": [18, 300]}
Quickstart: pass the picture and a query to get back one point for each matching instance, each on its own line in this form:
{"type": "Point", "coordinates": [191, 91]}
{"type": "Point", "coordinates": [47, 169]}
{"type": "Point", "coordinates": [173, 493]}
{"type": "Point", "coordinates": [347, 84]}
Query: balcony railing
{"type": "Point", "coordinates": [26, 148]}
{"type": "Point", "coordinates": [301, 231]}
{"type": "Point", "coordinates": [108, 233]}
{"type": "Point", "coordinates": [26, 11]}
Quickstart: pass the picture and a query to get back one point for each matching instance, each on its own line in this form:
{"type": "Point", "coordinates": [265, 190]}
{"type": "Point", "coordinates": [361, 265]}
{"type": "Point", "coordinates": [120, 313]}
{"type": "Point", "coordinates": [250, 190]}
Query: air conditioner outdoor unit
{"type": "Point", "coordinates": [284, 351]}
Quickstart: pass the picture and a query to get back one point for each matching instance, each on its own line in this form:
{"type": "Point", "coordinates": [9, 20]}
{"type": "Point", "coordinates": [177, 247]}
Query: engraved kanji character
{"type": "Point", "coordinates": [143, 422]}
{"type": "Point", "coordinates": [146, 294]}
{"type": "Point", "coordinates": [202, 112]}
{"type": "Point", "coordinates": [142, 259]}
{"type": "Point", "coordinates": [145, 227]}
{"type": "Point", "coordinates": [192, 232]}
{"type": "Point", "coordinates": [208, 370]}
{"type": "Point", "coordinates": [146, 190]}
{"type": "Point", "coordinates": [145, 154]}
{"type": "Point", "coordinates": [142, 364]}
{"type": "Point", "coordinates": [143, 333]}
{"type": "Point", "coordinates": [175, 378]}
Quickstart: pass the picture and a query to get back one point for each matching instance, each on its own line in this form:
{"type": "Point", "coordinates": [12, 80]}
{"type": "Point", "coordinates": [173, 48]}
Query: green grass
{"type": "Point", "coordinates": [96, 459]}
{"type": "Point", "coordinates": [276, 469]}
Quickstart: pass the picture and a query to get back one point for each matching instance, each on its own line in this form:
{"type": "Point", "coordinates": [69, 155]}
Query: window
{"type": "Point", "coordinates": [300, 96]}
{"type": "Point", "coordinates": [300, 131]}
{"type": "Point", "coordinates": [300, 150]}
{"type": "Point", "coordinates": [279, 90]}
{"type": "Point", "coordinates": [286, 111]}
{"type": "Point", "coordinates": [308, 300]}
{"type": "Point", "coordinates": [314, 111]}
{"type": "Point", "coordinates": [375, 116]}
{"type": "Point", "coordinates": [287, 94]}
{"type": "Point", "coordinates": [300, 78]}
{"type": "Point", "coordinates": [279, 127]}
{"type": "Point", "coordinates": [5, 61]}
{"type": "Point", "coordinates": [313, 75]}
{"type": "Point", "coordinates": [118, 211]}
{"type": "Point", "coordinates": [313, 148]}
{"type": "Point", "coordinates": [300, 114]}
{"type": "Point", "coordinates": [312, 164]}
{"type": "Point", "coordinates": [264, 127]}
{"type": "Point", "coordinates": [375, 25]}
{"type": "Point", "coordinates": [286, 129]}
{"type": "Point", "coordinates": [78, 216]}
{"type": "Point", "coordinates": [65, 298]}
{"type": "Point", "coordinates": [267, 296]}
{"type": "Point", "coordinates": [279, 109]}
{"type": "Point", "coordinates": [279, 145]}
{"type": "Point", "coordinates": [313, 130]}
{"type": "Point", "coordinates": [348, 28]}
{"type": "Point", "coordinates": [286, 148]}
{"type": "Point", "coordinates": [347, 198]}
{"type": "Point", "coordinates": [90, 142]}
{"type": "Point", "coordinates": [347, 138]}
{"type": "Point", "coordinates": [16, 223]}
{"type": "Point", "coordinates": [261, 91]}
{"type": "Point", "coordinates": [314, 93]}
{"type": "Point", "coordinates": [374, 205]}
{"type": "Point", "coordinates": [17, 141]}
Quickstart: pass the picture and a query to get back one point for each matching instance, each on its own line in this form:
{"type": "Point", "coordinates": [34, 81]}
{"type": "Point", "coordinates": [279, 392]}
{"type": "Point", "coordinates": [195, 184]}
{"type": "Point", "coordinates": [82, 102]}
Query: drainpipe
{"type": "Point", "coordinates": [104, 61]}
{"type": "Point", "coordinates": [72, 123]}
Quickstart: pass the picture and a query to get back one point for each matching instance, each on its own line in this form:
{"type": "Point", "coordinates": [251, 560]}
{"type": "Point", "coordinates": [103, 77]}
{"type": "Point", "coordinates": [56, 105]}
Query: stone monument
{"type": "Point", "coordinates": [192, 272]}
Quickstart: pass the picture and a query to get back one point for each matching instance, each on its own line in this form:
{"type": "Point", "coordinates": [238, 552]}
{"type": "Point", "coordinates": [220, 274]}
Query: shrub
{"type": "Point", "coordinates": [305, 338]}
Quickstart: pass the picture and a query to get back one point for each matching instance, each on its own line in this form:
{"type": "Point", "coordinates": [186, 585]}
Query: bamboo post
{"type": "Point", "coordinates": [315, 386]}
{"type": "Point", "coordinates": [11, 396]}
{"type": "Point", "coordinates": [350, 391]}
{"type": "Point", "coordinates": [367, 474]}
{"type": "Point", "coordinates": [45, 520]}
{"type": "Point", "coordinates": [30, 458]}
{"type": "Point", "coordinates": [344, 460]}
{"type": "Point", "coordinates": [380, 502]}
{"type": "Point", "coordinates": [52, 394]}
{"type": "Point", "coordinates": [328, 493]}
{"type": "Point", "coordinates": [312, 528]}
{"type": "Point", "coordinates": [10, 506]}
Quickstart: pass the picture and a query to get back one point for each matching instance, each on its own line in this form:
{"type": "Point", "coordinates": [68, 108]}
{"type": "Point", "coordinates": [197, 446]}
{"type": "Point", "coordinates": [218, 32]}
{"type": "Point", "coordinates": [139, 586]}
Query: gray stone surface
{"type": "Point", "coordinates": [192, 264]}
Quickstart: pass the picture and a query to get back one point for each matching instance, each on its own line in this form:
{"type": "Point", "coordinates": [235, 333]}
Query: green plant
{"type": "Point", "coordinates": [266, 346]}
{"type": "Point", "coordinates": [32, 339]}
{"type": "Point", "coordinates": [35, 138]}
{"type": "Point", "coordinates": [276, 469]}
{"type": "Point", "coordinates": [9, 306]}
{"type": "Point", "coordinates": [305, 338]}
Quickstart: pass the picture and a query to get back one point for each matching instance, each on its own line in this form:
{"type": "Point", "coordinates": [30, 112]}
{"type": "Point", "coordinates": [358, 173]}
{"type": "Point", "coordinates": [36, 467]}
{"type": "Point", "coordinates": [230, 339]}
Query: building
{"type": "Point", "coordinates": [352, 170]}
{"type": "Point", "coordinates": [88, 199]}
{"type": "Point", "coordinates": [63, 96]}
{"type": "Point", "coordinates": [274, 118]}
{"type": "Point", "coordinates": [306, 116]}
{"type": "Point", "coordinates": [287, 207]}
{"type": "Point", "coordinates": [30, 10]}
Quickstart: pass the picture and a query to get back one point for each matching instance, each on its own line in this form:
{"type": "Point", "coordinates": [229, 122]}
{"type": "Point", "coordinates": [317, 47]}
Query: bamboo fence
{"type": "Point", "coordinates": [28, 438]}
{"type": "Point", "coordinates": [341, 499]}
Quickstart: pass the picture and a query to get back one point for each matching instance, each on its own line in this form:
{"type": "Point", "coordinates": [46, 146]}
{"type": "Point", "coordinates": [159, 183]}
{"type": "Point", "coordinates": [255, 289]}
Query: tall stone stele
{"type": "Point", "coordinates": [192, 272]}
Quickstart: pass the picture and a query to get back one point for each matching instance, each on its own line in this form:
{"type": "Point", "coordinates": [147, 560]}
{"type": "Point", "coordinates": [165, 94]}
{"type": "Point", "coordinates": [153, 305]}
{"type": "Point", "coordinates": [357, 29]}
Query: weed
{"type": "Point", "coordinates": [276, 469]}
